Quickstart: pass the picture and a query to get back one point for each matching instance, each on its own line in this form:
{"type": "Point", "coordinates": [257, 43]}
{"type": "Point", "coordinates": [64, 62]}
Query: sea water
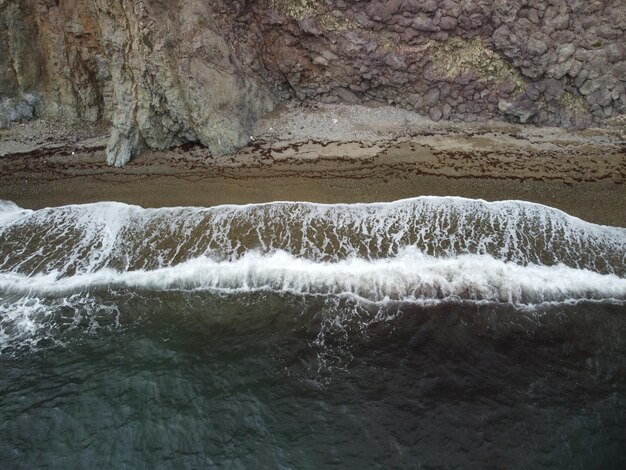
{"type": "Point", "coordinates": [423, 333]}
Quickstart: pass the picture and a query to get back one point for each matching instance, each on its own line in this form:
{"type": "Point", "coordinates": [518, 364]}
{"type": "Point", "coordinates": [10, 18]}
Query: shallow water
{"type": "Point", "coordinates": [431, 332]}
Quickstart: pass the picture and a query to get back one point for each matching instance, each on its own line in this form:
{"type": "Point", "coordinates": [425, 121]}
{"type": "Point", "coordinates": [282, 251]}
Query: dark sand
{"type": "Point", "coordinates": [581, 173]}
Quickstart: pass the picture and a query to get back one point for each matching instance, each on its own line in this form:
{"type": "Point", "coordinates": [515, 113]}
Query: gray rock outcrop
{"type": "Point", "coordinates": [167, 73]}
{"type": "Point", "coordinates": [162, 74]}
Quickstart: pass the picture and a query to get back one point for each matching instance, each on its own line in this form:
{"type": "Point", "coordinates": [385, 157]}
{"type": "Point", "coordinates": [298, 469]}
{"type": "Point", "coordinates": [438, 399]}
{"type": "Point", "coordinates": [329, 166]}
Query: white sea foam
{"type": "Point", "coordinates": [9, 211]}
{"type": "Point", "coordinates": [8, 206]}
{"type": "Point", "coordinates": [58, 265]}
{"type": "Point", "coordinates": [26, 320]}
{"type": "Point", "coordinates": [421, 249]}
{"type": "Point", "coordinates": [409, 276]}
{"type": "Point", "coordinates": [87, 238]}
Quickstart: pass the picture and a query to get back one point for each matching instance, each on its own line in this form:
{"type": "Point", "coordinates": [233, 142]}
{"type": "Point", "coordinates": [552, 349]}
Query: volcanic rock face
{"type": "Point", "coordinates": [165, 73]}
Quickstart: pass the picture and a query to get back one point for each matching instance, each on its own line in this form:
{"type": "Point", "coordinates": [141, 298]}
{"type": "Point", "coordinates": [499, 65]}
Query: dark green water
{"type": "Point", "coordinates": [428, 333]}
{"type": "Point", "coordinates": [276, 381]}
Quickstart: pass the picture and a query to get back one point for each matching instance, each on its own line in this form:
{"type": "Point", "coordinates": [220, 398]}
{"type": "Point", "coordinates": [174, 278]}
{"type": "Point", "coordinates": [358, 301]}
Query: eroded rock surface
{"type": "Point", "coordinates": [163, 73]}
{"type": "Point", "coordinates": [168, 73]}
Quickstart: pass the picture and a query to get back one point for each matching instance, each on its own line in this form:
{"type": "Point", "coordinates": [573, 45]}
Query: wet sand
{"type": "Point", "coordinates": [582, 173]}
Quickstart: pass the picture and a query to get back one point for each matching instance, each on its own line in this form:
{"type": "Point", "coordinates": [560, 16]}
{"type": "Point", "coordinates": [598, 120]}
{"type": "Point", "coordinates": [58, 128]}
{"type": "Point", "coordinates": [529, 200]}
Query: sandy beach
{"type": "Point", "coordinates": [329, 154]}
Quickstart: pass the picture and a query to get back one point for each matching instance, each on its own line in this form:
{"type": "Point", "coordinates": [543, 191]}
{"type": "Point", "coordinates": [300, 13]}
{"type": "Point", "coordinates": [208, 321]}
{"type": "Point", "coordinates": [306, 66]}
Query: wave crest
{"type": "Point", "coordinates": [409, 276]}
{"type": "Point", "coordinates": [84, 239]}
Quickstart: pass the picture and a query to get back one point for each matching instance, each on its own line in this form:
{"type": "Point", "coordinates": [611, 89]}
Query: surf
{"type": "Point", "coordinates": [409, 276]}
{"type": "Point", "coordinates": [83, 239]}
{"type": "Point", "coordinates": [78, 265]}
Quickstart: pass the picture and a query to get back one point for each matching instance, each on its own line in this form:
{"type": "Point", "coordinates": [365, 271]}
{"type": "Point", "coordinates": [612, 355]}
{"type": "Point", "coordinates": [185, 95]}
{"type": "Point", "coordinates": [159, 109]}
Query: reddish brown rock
{"type": "Point", "coordinates": [166, 73]}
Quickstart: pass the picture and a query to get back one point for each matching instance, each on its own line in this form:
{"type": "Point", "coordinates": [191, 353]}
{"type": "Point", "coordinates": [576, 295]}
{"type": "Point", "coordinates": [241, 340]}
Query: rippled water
{"type": "Point", "coordinates": [431, 332]}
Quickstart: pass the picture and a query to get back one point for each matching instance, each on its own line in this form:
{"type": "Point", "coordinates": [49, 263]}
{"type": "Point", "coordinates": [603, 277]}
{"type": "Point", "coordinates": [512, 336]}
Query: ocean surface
{"type": "Point", "coordinates": [423, 333]}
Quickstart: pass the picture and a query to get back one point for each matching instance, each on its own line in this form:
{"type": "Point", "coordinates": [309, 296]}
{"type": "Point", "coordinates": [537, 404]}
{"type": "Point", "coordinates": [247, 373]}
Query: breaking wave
{"type": "Point", "coordinates": [408, 276]}
{"type": "Point", "coordinates": [423, 250]}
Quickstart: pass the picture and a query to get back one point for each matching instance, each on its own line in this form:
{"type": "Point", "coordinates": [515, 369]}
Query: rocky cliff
{"type": "Point", "coordinates": [170, 72]}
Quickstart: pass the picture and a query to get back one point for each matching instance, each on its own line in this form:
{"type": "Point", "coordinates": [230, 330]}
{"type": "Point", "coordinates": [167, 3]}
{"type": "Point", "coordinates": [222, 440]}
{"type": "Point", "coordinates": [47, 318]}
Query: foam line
{"type": "Point", "coordinates": [410, 276]}
{"type": "Point", "coordinates": [87, 238]}
{"type": "Point", "coordinates": [8, 211]}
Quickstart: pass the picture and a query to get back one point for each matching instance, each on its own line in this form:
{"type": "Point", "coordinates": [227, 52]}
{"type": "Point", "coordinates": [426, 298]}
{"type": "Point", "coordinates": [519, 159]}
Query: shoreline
{"type": "Point", "coordinates": [591, 202]}
{"type": "Point", "coordinates": [329, 154]}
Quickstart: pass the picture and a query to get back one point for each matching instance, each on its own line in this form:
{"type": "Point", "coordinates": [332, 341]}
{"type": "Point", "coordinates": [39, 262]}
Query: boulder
{"type": "Point", "coordinates": [523, 109]}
